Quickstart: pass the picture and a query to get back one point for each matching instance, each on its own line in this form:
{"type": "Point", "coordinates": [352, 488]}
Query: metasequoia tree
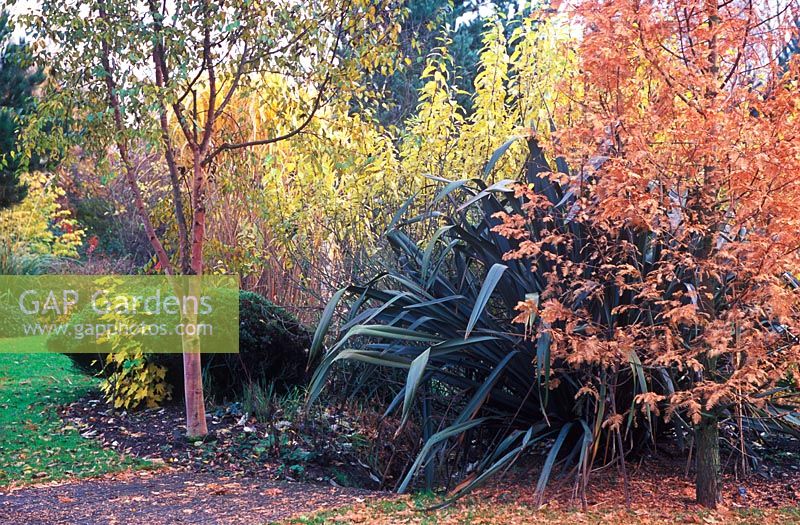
{"type": "Point", "coordinates": [675, 242]}
{"type": "Point", "coordinates": [126, 71]}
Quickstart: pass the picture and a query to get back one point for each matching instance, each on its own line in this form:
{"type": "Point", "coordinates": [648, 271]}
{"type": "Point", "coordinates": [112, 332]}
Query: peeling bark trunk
{"type": "Point", "coordinates": [192, 369]}
{"type": "Point", "coordinates": [198, 216]}
{"type": "Point", "coordinates": [193, 373]}
{"type": "Point", "coordinates": [193, 389]}
{"type": "Point", "coordinates": [708, 491]}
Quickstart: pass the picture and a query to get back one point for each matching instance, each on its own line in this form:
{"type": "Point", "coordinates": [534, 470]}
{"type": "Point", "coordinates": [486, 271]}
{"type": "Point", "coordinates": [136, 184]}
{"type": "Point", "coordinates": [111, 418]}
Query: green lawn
{"type": "Point", "coordinates": [34, 444]}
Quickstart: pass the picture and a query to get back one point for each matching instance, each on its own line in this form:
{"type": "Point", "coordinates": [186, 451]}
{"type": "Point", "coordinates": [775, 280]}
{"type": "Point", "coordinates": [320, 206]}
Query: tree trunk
{"type": "Point", "coordinates": [708, 489]}
{"type": "Point", "coordinates": [193, 373]}
{"type": "Point", "coordinates": [193, 389]}
{"type": "Point", "coordinates": [192, 369]}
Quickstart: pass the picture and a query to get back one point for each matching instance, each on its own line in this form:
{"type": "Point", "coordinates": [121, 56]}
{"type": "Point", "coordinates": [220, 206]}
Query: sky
{"type": "Point", "coordinates": [486, 8]}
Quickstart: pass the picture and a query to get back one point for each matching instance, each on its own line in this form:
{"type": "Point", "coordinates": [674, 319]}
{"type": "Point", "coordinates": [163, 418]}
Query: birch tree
{"type": "Point", "coordinates": [125, 72]}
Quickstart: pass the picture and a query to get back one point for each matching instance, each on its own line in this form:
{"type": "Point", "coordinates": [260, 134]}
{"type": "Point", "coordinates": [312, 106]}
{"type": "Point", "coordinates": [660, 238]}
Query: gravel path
{"type": "Point", "coordinates": [170, 497]}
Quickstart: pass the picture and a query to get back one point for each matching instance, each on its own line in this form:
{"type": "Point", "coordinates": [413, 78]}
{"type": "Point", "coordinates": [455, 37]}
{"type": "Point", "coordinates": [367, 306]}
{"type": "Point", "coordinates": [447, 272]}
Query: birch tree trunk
{"type": "Point", "coordinates": [192, 366]}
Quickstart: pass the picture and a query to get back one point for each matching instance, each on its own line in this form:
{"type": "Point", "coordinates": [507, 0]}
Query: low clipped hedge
{"type": "Point", "coordinates": [273, 348]}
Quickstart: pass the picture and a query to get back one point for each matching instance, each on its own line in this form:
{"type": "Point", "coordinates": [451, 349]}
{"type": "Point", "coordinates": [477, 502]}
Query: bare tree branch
{"type": "Point", "coordinates": [311, 114]}
{"type": "Point", "coordinates": [263, 142]}
{"type": "Point", "coordinates": [159, 60]}
{"type": "Point", "coordinates": [122, 146]}
{"type": "Point", "coordinates": [234, 85]}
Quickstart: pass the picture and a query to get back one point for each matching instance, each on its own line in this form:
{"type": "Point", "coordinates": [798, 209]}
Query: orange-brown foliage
{"type": "Point", "coordinates": [692, 117]}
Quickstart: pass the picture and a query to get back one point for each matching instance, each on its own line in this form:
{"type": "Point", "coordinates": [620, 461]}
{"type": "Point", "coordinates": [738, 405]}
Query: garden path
{"type": "Point", "coordinates": [169, 497]}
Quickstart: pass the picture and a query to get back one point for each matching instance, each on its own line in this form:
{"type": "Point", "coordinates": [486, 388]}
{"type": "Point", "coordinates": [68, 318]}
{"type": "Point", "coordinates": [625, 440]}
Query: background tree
{"type": "Point", "coordinates": [297, 218]}
{"type": "Point", "coordinates": [129, 69]}
{"type": "Point", "coordinates": [425, 26]}
{"type": "Point", "coordinates": [19, 77]}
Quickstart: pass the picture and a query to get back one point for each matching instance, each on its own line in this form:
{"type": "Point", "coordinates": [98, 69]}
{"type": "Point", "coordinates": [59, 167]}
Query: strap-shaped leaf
{"type": "Point", "coordinates": [499, 153]}
{"type": "Point", "coordinates": [400, 212]}
{"type": "Point", "coordinates": [368, 315]}
{"type": "Point", "coordinates": [391, 332]}
{"type": "Point", "coordinates": [374, 358]}
{"type": "Point", "coordinates": [415, 373]}
{"type": "Point", "coordinates": [500, 186]}
{"type": "Point", "coordinates": [436, 439]}
{"type": "Point", "coordinates": [324, 324]}
{"type": "Point", "coordinates": [543, 361]}
{"type": "Point", "coordinates": [544, 477]}
{"type": "Point", "coordinates": [448, 189]}
{"type": "Point", "coordinates": [426, 257]}
{"type": "Point", "coordinates": [433, 302]}
{"type": "Point", "coordinates": [477, 400]}
{"type": "Point", "coordinates": [489, 284]}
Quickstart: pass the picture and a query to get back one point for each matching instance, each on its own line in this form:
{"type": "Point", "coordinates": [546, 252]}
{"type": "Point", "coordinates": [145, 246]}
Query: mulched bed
{"type": "Point", "coordinates": [158, 497]}
{"type": "Point", "coordinates": [237, 445]}
{"type": "Point", "coordinates": [660, 481]}
{"type": "Point", "coordinates": [233, 475]}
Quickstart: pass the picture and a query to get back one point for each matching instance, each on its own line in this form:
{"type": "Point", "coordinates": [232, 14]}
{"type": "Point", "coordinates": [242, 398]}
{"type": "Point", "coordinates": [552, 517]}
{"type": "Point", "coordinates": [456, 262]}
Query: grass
{"type": "Point", "coordinates": [476, 511]}
{"type": "Point", "coordinates": [34, 443]}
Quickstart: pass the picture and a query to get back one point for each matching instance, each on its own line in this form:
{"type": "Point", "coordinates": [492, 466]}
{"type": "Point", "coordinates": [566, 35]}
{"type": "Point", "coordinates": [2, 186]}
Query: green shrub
{"type": "Point", "coordinates": [273, 348]}
{"type": "Point", "coordinates": [16, 260]}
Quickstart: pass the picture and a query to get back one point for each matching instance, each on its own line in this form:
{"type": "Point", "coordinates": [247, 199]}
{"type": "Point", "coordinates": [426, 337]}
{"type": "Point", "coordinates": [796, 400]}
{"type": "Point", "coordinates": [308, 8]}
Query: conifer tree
{"type": "Point", "coordinates": [18, 80]}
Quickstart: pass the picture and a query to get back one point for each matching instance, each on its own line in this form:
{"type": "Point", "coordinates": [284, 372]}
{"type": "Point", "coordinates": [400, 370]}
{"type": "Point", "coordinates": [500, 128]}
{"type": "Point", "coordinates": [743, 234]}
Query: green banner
{"type": "Point", "coordinates": [103, 314]}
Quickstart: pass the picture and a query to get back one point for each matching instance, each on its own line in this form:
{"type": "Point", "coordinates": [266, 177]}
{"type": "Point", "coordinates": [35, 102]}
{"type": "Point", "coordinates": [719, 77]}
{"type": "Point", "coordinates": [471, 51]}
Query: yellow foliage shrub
{"type": "Point", "coordinates": [39, 225]}
{"type": "Point", "coordinates": [131, 380]}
